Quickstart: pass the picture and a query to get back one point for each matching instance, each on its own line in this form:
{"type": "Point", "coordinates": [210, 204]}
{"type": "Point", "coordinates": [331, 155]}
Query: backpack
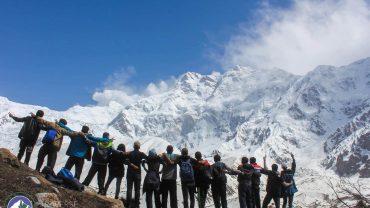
{"type": "Point", "coordinates": [69, 181]}
{"type": "Point", "coordinates": [28, 129]}
{"type": "Point", "coordinates": [203, 175]}
{"type": "Point", "coordinates": [50, 136]}
{"type": "Point", "coordinates": [186, 171]}
{"type": "Point", "coordinates": [218, 172]}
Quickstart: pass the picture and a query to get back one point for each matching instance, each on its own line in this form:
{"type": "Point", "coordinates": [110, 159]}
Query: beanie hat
{"type": "Point", "coordinates": [152, 153]}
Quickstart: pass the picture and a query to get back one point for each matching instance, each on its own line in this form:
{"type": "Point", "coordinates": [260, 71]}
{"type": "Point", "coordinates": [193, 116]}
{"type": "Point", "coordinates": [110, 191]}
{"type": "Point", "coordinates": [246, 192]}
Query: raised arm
{"type": "Point", "coordinates": [293, 163]}
{"type": "Point", "coordinates": [17, 119]}
{"type": "Point", "coordinates": [264, 163]}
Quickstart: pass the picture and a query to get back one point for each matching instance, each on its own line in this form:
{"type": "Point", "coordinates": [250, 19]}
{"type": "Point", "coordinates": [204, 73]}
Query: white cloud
{"type": "Point", "coordinates": [116, 88]}
{"type": "Point", "coordinates": [310, 33]}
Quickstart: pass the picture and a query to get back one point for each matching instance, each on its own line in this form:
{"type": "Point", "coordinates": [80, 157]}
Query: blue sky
{"type": "Point", "coordinates": [59, 53]}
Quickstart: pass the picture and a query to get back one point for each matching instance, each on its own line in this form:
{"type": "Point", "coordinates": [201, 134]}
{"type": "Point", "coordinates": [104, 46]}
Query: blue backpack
{"type": "Point", "coordinates": [186, 171]}
{"type": "Point", "coordinates": [65, 174]}
{"type": "Point", "coordinates": [50, 136]}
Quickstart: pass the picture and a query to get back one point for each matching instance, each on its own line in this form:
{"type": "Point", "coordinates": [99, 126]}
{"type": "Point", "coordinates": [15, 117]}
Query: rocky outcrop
{"type": "Point", "coordinates": [18, 179]}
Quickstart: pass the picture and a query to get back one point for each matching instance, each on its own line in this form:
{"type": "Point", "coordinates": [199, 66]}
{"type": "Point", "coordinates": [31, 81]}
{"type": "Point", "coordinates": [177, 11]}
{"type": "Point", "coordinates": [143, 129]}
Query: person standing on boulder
{"type": "Point", "coordinates": [28, 134]}
{"type": "Point", "coordinates": [52, 141]}
{"type": "Point", "coordinates": [79, 149]}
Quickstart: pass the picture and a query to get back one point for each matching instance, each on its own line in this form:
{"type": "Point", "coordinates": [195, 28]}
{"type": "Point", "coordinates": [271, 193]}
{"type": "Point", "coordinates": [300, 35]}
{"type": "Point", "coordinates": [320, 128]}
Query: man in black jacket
{"type": "Point", "coordinates": [134, 175]}
{"type": "Point", "coordinates": [28, 134]}
{"type": "Point", "coordinates": [218, 185]}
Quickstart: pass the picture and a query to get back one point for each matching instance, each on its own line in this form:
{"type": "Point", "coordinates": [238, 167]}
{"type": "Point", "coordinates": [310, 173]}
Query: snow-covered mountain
{"type": "Point", "coordinates": [322, 117]}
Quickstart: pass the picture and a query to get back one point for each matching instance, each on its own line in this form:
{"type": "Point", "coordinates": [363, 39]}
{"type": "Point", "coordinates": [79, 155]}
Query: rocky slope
{"type": "Point", "coordinates": [18, 178]}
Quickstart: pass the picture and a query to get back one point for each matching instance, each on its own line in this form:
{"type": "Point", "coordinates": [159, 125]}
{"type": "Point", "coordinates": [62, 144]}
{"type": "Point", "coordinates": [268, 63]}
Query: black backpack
{"type": "Point", "coordinates": [29, 128]}
{"type": "Point", "coordinates": [218, 172]}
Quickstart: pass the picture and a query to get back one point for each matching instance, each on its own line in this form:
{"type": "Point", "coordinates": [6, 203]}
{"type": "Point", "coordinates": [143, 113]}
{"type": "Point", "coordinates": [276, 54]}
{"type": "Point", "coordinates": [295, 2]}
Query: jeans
{"type": "Point", "coordinates": [188, 192]}
{"type": "Point", "coordinates": [46, 150]}
{"type": "Point", "coordinates": [118, 185]}
{"type": "Point", "coordinates": [25, 146]}
{"type": "Point", "coordinates": [78, 163]}
{"type": "Point", "coordinates": [133, 180]}
{"type": "Point", "coordinates": [202, 195]}
{"type": "Point", "coordinates": [149, 199]}
{"type": "Point", "coordinates": [256, 200]}
{"type": "Point", "coordinates": [219, 194]}
{"type": "Point", "coordinates": [169, 186]}
{"type": "Point", "coordinates": [268, 198]}
{"type": "Point", "coordinates": [102, 171]}
{"type": "Point", "coordinates": [288, 198]}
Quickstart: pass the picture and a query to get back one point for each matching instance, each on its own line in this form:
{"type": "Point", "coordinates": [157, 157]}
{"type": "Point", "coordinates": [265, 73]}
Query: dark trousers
{"type": "Point", "coordinates": [78, 163]}
{"type": "Point", "coordinates": [102, 171]}
{"type": "Point", "coordinates": [188, 192]}
{"type": "Point", "coordinates": [46, 150]}
{"type": "Point", "coordinates": [118, 185]}
{"type": "Point", "coordinates": [202, 196]}
{"type": "Point", "coordinates": [149, 199]}
{"type": "Point", "coordinates": [27, 147]}
{"type": "Point", "coordinates": [219, 194]}
{"type": "Point", "coordinates": [288, 198]}
{"type": "Point", "coordinates": [245, 195]}
{"type": "Point", "coordinates": [268, 198]}
{"type": "Point", "coordinates": [256, 199]}
{"type": "Point", "coordinates": [133, 181]}
{"type": "Point", "coordinates": [169, 186]}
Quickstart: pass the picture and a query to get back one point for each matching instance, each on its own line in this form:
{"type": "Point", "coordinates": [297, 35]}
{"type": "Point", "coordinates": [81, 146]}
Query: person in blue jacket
{"type": "Point", "coordinates": [102, 149]}
{"type": "Point", "coordinates": [78, 150]}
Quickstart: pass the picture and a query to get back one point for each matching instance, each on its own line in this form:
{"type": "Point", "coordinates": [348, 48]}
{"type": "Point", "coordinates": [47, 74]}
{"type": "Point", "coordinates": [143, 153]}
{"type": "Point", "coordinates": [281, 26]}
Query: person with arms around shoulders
{"type": "Point", "coordinates": [186, 164]}
{"type": "Point", "coordinates": [256, 199]}
{"type": "Point", "coordinates": [169, 176]}
{"type": "Point", "coordinates": [134, 175]}
{"type": "Point", "coordinates": [219, 181]}
{"type": "Point", "coordinates": [245, 184]}
{"type": "Point", "coordinates": [102, 149]}
{"type": "Point", "coordinates": [116, 162]}
{"type": "Point", "coordinates": [52, 140]}
{"type": "Point", "coordinates": [152, 181]}
{"type": "Point", "coordinates": [28, 134]}
{"type": "Point", "coordinates": [78, 150]}
{"type": "Point", "coordinates": [203, 178]}
{"type": "Point", "coordinates": [288, 177]}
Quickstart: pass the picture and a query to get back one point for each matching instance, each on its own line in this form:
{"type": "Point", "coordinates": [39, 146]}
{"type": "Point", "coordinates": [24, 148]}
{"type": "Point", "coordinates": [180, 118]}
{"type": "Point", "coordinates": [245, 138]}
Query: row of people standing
{"type": "Point", "coordinates": [196, 174]}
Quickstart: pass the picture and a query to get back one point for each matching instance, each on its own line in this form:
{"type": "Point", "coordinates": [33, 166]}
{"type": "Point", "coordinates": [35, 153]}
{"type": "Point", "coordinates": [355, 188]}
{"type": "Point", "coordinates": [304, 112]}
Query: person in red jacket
{"type": "Point", "coordinates": [202, 176]}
